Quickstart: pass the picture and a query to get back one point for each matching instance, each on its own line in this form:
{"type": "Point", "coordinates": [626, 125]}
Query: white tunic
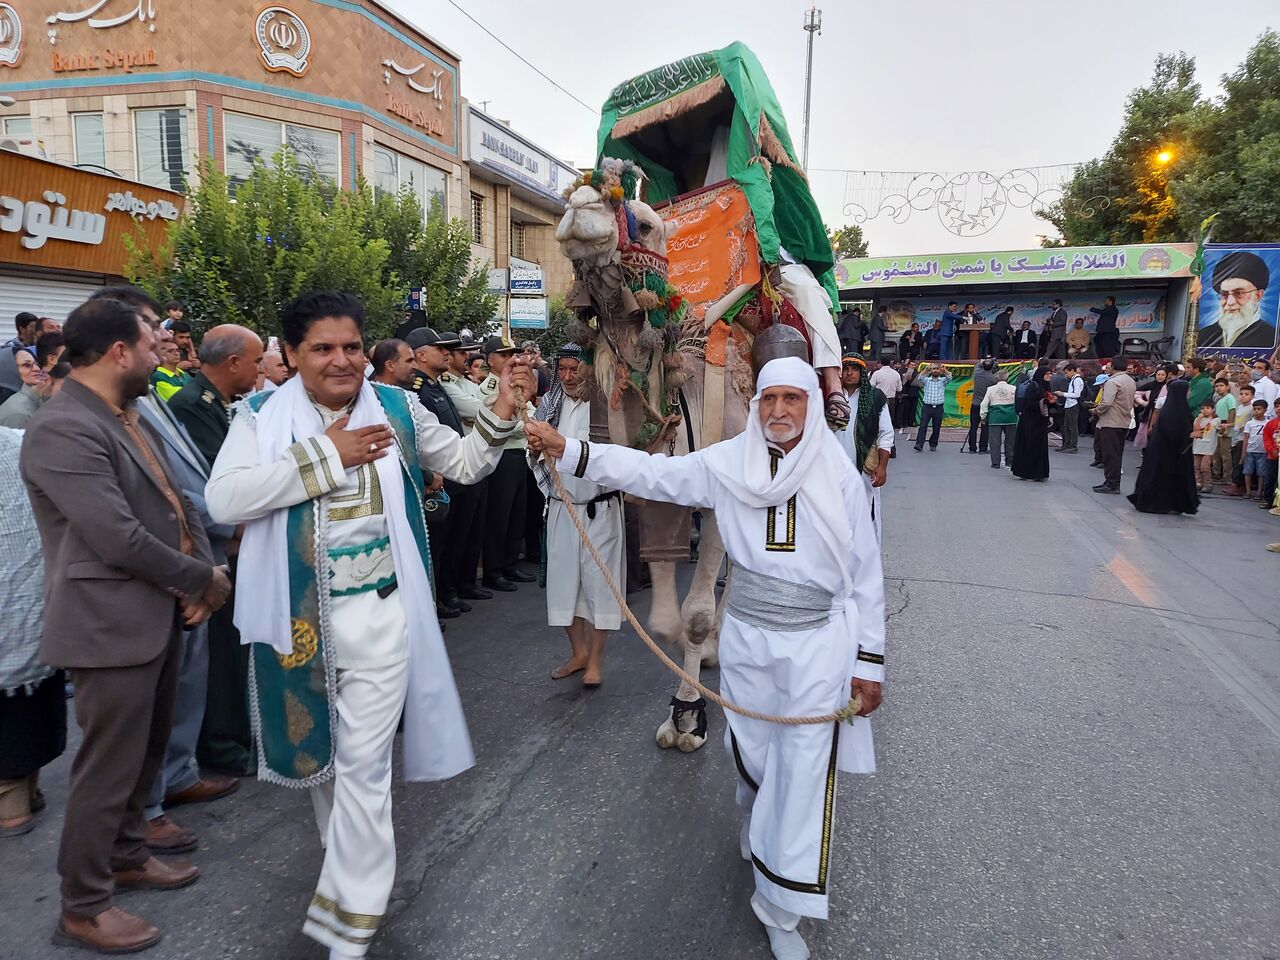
{"type": "Point", "coordinates": [368, 631]}
{"type": "Point", "coordinates": [884, 441]}
{"type": "Point", "coordinates": [575, 585]}
{"type": "Point", "coordinates": [787, 772]}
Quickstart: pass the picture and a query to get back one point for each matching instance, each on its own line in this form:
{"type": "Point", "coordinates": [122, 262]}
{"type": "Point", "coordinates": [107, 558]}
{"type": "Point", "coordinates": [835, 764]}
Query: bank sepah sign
{"type": "Point", "coordinates": [508, 154]}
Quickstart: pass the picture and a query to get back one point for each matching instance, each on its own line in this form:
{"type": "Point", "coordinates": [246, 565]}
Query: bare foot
{"type": "Point", "coordinates": [574, 665]}
{"type": "Point", "coordinates": [591, 678]}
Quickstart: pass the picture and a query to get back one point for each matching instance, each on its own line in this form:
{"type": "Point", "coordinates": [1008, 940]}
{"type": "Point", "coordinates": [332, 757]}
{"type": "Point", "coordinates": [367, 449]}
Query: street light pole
{"type": "Point", "coordinates": [812, 25]}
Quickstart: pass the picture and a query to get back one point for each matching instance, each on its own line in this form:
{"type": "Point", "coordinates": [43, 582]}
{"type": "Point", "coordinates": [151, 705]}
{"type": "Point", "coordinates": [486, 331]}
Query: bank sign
{"type": "Point", "coordinates": [516, 160]}
{"type": "Point", "coordinates": [1129, 262]}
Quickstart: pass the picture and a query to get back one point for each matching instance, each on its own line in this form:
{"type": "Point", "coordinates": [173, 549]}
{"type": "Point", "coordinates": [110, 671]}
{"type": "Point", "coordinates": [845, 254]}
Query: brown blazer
{"type": "Point", "coordinates": [112, 567]}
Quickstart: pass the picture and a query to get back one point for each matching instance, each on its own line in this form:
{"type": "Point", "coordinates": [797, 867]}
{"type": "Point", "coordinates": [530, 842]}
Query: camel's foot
{"type": "Point", "coordinates": [667, 733]}
{"type": "Point", "coordinates": [689, 717]}
{"type": "Point", "coordinates": [711, 659]}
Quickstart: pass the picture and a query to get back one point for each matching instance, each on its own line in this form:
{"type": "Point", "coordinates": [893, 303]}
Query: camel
{"type": "Point", "coordinates": [651, 390]}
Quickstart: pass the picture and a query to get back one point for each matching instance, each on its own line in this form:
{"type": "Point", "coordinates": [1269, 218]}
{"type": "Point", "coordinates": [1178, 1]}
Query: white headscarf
{"type": "Point", "coordinates": [816, 469]}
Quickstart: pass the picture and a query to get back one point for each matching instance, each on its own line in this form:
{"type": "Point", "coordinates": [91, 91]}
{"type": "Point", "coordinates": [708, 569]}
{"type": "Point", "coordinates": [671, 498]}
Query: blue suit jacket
{"type": "Point", "coordinates": [949, 321]}
{"type": "Point", "coordinates": [190, 468]}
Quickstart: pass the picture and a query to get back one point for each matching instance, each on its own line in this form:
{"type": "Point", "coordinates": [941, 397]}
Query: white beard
{"type": "Point", "coordinates": [1234, 324]}
{"type": "Point", "coordinates": [789, 431]}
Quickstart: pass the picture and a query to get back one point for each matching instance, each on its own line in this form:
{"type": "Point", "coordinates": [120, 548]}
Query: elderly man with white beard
{"type": "Point", "coordinates": [803, 627]}
{"type": "Point", "coordinates": [578, 598]}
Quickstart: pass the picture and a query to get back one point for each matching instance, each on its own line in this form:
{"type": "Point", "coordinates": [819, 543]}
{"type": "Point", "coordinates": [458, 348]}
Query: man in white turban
{"type": "Point", "coordinates": [804, 622]}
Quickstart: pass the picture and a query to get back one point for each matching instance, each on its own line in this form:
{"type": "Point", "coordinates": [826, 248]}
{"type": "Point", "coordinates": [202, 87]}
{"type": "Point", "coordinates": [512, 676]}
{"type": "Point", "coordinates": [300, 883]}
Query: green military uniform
{"type": "Point", "coordinates": [465, 396]}
{"type": "Point", "coordinates": [226, 739]}
{"type": "Point", "coordinates": [204, 412]}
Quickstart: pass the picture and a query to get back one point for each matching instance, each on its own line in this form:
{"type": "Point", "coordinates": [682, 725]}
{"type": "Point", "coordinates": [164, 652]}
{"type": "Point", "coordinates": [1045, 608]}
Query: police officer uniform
{"type": "Point", "coordinates": [468, 502]}
{"type": "Point", "coordinates": [504, 519]}
{"type": "Point", "coordinates": [434, 398]}
{"type": "Point", "coordinates": [204, 412]}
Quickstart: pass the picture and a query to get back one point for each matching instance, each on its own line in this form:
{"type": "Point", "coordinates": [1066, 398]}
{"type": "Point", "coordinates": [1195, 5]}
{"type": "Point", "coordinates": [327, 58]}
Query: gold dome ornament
{"type": "Point", "coordinates": [305, 644]}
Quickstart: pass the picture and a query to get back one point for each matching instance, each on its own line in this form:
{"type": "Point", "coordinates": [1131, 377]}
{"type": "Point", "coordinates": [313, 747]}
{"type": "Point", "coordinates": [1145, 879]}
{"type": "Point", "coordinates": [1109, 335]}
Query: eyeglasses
{"type": "Point", "coordinates": [1226, 295]}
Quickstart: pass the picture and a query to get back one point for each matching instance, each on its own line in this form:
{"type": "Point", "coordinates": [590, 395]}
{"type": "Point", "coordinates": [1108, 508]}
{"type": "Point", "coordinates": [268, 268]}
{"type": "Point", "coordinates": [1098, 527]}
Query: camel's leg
{"type": "Point", "coordinates": [699, 616]}
{"type": "Point", "coordinates": [711, 645]}
{"type": "Point", "coordinates": [666, 626]}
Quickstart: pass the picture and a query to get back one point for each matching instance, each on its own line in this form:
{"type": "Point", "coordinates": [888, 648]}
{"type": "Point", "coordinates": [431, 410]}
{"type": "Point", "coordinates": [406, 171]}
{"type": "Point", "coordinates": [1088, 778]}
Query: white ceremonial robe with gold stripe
{"type": "Point", "coordinates": [787, 774]}
{"type": "Point", "coordinates": [370, 640]}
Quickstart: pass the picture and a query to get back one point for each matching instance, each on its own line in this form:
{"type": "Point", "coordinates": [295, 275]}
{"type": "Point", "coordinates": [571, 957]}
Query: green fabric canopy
{"type": "Point", "coordinates": [761, 157]}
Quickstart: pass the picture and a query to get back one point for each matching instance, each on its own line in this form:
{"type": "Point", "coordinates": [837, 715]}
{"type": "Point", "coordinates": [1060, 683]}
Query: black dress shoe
{"type": "Point", "coordinates": [1103, 488]}
{"type": "Point", "coordinates": [459, 605]}
{"type": "Point", "coordinates": [447, 613]}
{"type": "Point", "coordinates": [518, 575]}
{"type": "Point", "coordinates": [475, 593]}
{"type": "Point", "coordinates": [500, 583]}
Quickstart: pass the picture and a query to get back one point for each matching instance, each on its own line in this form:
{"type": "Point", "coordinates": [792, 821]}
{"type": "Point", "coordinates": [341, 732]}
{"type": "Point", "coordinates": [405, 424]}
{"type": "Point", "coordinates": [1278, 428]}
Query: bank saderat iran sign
{"type": "Point", "coordinates": [505, 152]}
{"type": "Point", "coordinates": [1127, 262]}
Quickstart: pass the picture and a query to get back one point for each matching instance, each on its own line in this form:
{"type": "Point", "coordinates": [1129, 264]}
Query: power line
{"type": "Point", "coordinates": [522, 59]}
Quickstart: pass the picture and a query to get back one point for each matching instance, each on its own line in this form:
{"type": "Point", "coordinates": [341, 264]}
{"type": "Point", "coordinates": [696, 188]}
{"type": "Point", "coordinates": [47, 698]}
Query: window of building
{"type": "Point", "coordinates": [477, 219]}
{"type": "Point", "coordinates": [161, 137]}
{"type": "Point", "coordinates": [248, 140]}
{"type": "Point", "coordinates": [17, 126]}
{"type": "Point", "coordinates": [517, 239]}
{"type": "Point", "coordinates": [393, 173]}
{"type": "Point", "coordinates": [90, 140]}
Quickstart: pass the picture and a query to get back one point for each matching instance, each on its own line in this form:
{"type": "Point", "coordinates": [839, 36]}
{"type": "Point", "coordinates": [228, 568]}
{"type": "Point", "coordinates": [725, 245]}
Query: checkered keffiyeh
{"type": "Point", "coordinates": [22, 572]}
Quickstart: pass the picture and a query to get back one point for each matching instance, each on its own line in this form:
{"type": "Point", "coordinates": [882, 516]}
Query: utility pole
{"type": "Point", "coordinates": [812, 25]}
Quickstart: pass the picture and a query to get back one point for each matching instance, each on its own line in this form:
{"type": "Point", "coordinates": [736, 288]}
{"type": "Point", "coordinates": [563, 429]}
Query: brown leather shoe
{"type": "Point", "coordinates": [210, 786]}
{"type": "Point", "coordinates": [166, 837]}
{"type": "Point", "coordinates": [112, 931]}
{"type": "Point", "coordinates": [158, 874]}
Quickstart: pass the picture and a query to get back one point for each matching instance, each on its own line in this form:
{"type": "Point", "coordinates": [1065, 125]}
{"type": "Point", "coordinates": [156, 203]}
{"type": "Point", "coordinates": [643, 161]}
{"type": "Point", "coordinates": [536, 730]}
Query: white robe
{"type": "Point", "coordinates": [787, 773]}
{"type": "Point", "coordinates": [575, 585]}
{"type": "Point", "coordinates": [884, 441]}
{"type": "Point", "coordinates": [371, 652]}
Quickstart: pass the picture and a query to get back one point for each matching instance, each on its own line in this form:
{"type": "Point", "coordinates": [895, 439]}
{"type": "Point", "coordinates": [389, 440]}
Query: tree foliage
{"type": "Point", "coordinates": [241, 259]}
{"type": "Point", "coordinates": [1223, 155]}
{"type": "Point", "coordinates": [848, 243]}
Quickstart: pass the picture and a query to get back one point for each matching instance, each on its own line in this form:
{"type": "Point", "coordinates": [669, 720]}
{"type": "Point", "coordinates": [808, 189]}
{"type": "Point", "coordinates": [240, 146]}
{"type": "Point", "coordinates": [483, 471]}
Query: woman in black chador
{"type": "Point", "coordinates": [1031, 439]}
{"type": "Point", "coordinates": [1167, 479]}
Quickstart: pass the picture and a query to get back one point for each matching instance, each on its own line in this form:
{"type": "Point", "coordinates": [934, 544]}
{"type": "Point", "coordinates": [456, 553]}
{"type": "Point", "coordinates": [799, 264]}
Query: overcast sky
{"type": "Point", "coordinates": [919, 85]}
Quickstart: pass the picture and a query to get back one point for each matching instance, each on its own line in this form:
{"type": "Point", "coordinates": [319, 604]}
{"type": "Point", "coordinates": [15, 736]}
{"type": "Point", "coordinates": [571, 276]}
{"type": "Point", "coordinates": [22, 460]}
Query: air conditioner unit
{"type": "Point", "coordinates": [25, 145]}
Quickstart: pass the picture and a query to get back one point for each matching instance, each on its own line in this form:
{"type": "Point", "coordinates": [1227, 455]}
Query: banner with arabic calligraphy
{"type": "Point", "coordinates": [1135, 261]}
{"type": "Point", "coordinates": [1141, 311]}
{"type": "Point", "coordinates": [1242, 326]}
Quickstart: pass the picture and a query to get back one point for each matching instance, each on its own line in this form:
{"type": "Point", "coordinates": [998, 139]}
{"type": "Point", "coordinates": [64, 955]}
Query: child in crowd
{"type": "Point", "coordinates": [1204, 440]}
{"type": "Point", "coordinates": [1254, 463]}
{"type": "Point", "coordinates": [1244, 408]}
{"type": "Point", "coordinates": [1271, 442]}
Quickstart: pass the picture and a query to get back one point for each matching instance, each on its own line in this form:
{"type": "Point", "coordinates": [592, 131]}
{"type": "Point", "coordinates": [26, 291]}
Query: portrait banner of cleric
{"type": "Point", "coordinates": [1237, 310]}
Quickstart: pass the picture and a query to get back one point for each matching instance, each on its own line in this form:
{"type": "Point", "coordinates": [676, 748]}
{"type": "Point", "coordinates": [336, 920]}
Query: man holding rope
{"type": "Point", "coordinates": [804, 623]}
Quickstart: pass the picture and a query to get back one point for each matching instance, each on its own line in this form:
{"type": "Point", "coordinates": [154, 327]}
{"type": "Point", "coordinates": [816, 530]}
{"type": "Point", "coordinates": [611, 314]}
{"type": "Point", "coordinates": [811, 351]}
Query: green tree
{"type": "Point", "coordinates": [1233, 153]}
{"type": "Point", "coordinates": [242, 260]}
{"type": "Point", "coordinates": [848, 243]}
{"type": "Point", "coordinates": [1124, 196]}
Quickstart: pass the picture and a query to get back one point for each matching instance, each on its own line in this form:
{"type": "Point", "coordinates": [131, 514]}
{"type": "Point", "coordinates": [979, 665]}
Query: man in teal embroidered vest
{"type": "Point", "coordinates": [327, 475]}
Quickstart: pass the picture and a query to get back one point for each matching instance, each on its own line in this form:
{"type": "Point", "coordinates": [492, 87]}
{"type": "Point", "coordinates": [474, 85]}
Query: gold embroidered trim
{"type": "Point", "coordinates": [363, 940]}
{"type": "Point", "coordinates": [772, 544]}
{"type": "Point", "coordinates": [323, 461]}
{"type": "Point", "coordinates": [482, 428]}
{"type": "Point", "coordinates": [877, 658]}
{"type": "Point", "coordinates": [307, 470]}
{"type": "Point", "coordinates": [366, 508]}
{"type": "Point", "coordinates": [357, 921]}
{"type": "Point", "coordinates": [824, 853]}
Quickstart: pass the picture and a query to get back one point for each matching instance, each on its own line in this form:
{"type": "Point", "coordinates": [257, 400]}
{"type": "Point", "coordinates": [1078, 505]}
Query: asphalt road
{"type": "Point", "coordinates": [1079, 757]}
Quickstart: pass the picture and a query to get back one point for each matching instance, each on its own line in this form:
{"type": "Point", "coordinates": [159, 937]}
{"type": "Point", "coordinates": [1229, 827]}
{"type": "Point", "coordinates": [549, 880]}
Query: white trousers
{"type": "Point", "coordinates": [353, 812]}
{"type": "Point", "coordinates": [786, 774]}
{"type": "Point", "coordinates": [873, 494]}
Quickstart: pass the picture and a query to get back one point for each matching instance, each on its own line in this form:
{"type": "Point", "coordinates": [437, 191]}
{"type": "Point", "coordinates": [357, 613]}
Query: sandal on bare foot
{"type": "Point", "coordinates": [17, 827]}
{"type": "Point", "coordinates": [590, 680]}
{"type": "Point", "coordinates": [567, 670]}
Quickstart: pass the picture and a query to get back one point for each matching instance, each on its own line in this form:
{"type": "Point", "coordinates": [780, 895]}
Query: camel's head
{"type": "Point", "coordinates": [599, 221]}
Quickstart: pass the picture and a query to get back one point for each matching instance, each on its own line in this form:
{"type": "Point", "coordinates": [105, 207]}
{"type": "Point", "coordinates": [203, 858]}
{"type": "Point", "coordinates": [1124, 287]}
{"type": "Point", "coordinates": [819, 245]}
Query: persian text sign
{"type": "Point", "coordinates": [1135, 261]}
